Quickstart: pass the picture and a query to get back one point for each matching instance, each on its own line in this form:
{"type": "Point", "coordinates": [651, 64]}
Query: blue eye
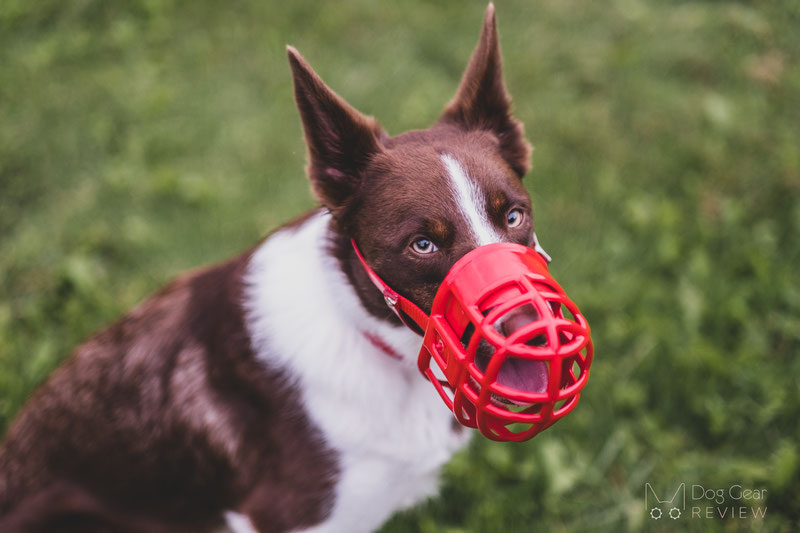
{"type": "Point", "coordinates": [423, 246]}
{"type": "Point", "coordinates": [514, 218]}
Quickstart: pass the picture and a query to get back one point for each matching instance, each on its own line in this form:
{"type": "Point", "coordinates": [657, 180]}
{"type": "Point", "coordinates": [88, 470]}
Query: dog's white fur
{"type": "Point", "coordinates": [237, 523]}
{"type": "Point", "coordinates": [392, 431]}
{"type": "Point", "coordinates": [471, 203]}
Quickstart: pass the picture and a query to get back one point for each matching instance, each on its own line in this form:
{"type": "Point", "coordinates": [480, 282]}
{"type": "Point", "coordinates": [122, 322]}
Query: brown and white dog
{"type": "Point", "coordinates": [276, 391]}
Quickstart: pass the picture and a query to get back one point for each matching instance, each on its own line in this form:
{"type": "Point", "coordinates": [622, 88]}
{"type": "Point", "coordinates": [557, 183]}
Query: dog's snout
{"type": "Point", "coordinates": [520, 374]}
{"type": "Point", "coordinates": [516, 320]}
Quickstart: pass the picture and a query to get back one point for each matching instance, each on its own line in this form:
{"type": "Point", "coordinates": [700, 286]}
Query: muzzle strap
{"type": "Point", "coordinates": [401, 306]}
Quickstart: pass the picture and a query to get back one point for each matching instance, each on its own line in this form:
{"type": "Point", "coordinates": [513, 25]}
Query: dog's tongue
{"type": "Point", "coordinates": [523, 375]}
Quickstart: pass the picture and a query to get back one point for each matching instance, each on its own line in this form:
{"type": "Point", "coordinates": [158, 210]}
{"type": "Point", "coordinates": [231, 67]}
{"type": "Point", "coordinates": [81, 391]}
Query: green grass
{"type": "Point", "coordinates": [142, 138]}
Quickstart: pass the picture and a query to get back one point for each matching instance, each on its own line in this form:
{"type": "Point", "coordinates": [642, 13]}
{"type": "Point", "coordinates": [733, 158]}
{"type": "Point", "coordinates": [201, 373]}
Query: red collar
{"type": "Point", "coordinates": [382, 345]}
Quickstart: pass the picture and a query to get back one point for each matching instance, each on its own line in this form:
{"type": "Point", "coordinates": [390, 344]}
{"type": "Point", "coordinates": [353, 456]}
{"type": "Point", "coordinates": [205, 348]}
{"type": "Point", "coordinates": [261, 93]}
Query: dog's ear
{"type": "Point", "coordinates": [482, 101]}
{"type": "Point", "coordinates": [340, 140]}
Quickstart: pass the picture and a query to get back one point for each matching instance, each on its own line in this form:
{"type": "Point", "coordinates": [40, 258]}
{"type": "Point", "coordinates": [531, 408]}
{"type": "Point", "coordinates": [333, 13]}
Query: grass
{"type": "Point", "coordinates": [142, 138]}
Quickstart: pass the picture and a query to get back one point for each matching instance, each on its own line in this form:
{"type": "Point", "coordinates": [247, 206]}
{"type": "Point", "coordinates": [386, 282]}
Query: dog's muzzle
{"type": "Point", "coordinates": [505, 348]}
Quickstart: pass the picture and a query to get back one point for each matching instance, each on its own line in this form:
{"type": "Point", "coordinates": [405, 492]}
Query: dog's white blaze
{"type": "Point", "coordinates": [238, 523]}
{"type": "Point", "coordinates": [386, 422]}
{"type": "Point", "coordinates": [471, 203]}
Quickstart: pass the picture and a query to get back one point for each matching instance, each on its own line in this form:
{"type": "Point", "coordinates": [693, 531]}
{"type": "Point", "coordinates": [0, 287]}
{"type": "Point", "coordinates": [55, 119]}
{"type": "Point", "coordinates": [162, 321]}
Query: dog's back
{"type": "Point", "coordinates": [165, 415]}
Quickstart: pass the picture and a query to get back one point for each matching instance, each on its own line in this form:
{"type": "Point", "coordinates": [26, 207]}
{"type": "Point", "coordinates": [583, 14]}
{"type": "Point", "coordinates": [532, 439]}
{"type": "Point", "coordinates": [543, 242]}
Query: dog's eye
{"type": "Point", "coordinates": [514, 218]}
{"type": "Point", "coordinates": [423, 246]}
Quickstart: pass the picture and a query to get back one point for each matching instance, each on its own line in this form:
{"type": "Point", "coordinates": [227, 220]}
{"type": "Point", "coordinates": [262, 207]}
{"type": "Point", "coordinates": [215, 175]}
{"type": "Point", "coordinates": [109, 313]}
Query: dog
{"type": "Point", "coordinates": [276, 391]}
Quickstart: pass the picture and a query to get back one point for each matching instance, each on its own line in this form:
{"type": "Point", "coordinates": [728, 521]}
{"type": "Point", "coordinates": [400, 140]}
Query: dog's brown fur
{"type": "Point", "coordinates": [177, 437]}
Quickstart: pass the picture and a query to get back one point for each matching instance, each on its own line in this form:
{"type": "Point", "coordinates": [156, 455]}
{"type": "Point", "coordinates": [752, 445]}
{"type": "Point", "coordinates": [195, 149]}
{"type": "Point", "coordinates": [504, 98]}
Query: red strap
{"type": "Point", "coordinates": [401, 306]}
{"type": "Point", "coordinates": [382, 345]}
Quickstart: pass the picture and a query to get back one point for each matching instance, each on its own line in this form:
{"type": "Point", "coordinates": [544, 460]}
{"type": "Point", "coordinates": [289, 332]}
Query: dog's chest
{"type": "Point", "coordinates": [390, 430]}
{"type": "Point", "coordinates": [392, 445]}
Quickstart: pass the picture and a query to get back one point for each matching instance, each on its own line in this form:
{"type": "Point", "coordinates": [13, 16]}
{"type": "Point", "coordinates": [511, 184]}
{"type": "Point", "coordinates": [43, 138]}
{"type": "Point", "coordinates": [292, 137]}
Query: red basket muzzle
{"type": "Point", "coordinates": [505, 348]}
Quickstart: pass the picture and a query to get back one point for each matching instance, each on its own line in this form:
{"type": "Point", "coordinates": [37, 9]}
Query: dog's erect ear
{"type": "Point", "coordinates": [340, 140]}
{"type": "Point", "coordinates": [482, 101]}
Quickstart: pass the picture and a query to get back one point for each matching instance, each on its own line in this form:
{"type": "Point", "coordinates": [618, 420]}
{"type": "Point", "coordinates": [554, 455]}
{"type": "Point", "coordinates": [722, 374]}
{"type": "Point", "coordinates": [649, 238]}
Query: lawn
{"type": "Point", "coordinates": [142, 138]}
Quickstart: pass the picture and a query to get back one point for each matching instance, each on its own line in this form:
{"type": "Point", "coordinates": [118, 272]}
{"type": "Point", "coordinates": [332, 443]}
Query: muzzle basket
{"type": "Point", "coordinates": [468, 344]}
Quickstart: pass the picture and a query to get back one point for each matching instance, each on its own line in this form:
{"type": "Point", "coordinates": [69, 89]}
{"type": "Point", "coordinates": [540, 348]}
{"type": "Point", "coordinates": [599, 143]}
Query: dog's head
{"type": "Point", "coordinates": [417, 202]}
